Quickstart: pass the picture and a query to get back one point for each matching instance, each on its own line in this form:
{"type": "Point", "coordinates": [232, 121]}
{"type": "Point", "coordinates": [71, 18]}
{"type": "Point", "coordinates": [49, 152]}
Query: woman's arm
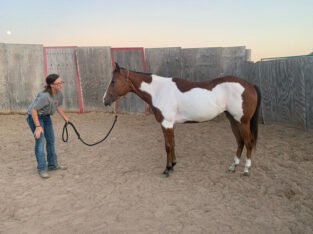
{"type": "Point", "coordinates": [62, 114]}
{"type": "Point", "coordinates": [38, 129]}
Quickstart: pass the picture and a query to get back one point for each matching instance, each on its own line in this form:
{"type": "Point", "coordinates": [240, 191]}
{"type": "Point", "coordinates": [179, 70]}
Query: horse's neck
{"type": "Point", "coordinates": [136, 80]}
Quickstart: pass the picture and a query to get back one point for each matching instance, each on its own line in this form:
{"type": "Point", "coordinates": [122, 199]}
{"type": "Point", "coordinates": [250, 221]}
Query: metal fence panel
{"type": "Point", "coordinates": [307, 71]}
{"type": "Point", "coordinates": [62, 61]}
{"type": "Point", "coordinates": [199, 64]}
{"type": "Point", "coordinates": [25, 76]}
{"type": "Point", "coordinates": [286, 84]}
{"type": "Point", "coordinates": [132, 59]}
{"type": "Point", "coordinates": [4, 100]}
{"type": "Point", "coordinates": [164, 62]}
{"type": "Point", "coordinates": [283, 92]}
{"type": "Point", "coordinates": [95, 70]}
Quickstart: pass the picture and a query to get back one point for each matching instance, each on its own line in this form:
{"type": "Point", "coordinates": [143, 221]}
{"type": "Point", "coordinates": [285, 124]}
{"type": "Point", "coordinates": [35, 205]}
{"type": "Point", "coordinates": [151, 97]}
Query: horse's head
{"type": "Point", "coordinates": [118, 86]}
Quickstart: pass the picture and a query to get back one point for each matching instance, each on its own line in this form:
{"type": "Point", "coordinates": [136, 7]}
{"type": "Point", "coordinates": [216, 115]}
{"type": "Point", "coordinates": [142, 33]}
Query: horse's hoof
{"type": "Point", "coordinates": [231, 170]}
{"type": "Point", "coordinates": [245, 174]}
{"type": "Point", "coordinates": [165, 175]}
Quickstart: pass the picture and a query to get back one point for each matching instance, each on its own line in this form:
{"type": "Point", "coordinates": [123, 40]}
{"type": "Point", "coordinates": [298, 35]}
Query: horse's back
{"type": "Point", "coordinates": [201, 101]}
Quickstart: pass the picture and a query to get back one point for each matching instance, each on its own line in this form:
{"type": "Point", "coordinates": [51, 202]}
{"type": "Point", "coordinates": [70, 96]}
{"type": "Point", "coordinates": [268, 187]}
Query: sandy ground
{"type": "Point", "coordinates": [116, 187]}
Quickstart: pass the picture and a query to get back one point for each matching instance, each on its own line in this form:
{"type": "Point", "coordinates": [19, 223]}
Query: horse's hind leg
{"type": "Point", "coordinates": [239, 139]}
{"type": "Point", "coordinates": [170, 150]}
{"type": "Point", "coordinates": [173, 153]}
{"type": "Point", "coordinates": [246, 135]}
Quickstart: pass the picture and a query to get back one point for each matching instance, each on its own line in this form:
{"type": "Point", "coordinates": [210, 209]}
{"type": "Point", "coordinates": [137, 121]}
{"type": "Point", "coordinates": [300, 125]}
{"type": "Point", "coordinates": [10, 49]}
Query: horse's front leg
{"type": "Point", "coordinates": [170, 150]}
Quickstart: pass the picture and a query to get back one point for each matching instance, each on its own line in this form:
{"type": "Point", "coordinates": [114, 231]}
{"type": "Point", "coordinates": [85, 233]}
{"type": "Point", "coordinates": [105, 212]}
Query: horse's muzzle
{"type": "Point", "coordinates": [107, 101]}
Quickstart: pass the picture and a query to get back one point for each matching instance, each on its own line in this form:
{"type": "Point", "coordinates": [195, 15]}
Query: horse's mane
{"type": "Point", "coordinates": [141, 73]}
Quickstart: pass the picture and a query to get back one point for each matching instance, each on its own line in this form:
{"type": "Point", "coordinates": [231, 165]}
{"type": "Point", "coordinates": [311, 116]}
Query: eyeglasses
{"type": "Point", "coordinates": [59, 83]}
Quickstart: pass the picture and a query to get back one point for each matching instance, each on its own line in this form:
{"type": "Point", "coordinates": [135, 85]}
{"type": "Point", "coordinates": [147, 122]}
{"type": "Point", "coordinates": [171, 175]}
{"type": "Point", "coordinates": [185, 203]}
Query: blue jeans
{"type": "Point", "coordinates": [48, 134]}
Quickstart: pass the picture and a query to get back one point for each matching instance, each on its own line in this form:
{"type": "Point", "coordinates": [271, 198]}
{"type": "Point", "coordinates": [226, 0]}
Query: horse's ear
{"type": "Point", "coordinates": [117, 67]}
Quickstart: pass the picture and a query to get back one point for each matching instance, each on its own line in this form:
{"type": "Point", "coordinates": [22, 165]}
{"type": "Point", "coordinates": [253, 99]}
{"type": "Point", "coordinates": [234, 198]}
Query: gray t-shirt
{"type": "Point", "coordinates": [45, 104]}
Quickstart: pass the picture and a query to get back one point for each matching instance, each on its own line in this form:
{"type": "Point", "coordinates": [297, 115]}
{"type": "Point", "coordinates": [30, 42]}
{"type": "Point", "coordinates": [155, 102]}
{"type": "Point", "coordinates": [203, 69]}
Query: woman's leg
{"type": "Point", "coordinates": [49, 135]}
{"type": "Point", "coordinates": [39, 144]}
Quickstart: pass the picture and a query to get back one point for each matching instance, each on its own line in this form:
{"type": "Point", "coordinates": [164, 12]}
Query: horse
{"type": "Point", "coordinates": [175, 100]}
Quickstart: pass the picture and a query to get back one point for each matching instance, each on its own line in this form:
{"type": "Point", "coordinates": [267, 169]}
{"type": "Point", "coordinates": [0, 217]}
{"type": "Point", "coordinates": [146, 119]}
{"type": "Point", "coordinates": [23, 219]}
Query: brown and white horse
{"type": "Point", "coordinates": [174, 100]}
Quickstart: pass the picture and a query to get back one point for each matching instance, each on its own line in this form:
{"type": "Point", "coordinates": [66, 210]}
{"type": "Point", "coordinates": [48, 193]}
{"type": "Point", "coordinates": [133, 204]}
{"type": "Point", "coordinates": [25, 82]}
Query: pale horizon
{"type": "Point", "coordinates": [267, 28]}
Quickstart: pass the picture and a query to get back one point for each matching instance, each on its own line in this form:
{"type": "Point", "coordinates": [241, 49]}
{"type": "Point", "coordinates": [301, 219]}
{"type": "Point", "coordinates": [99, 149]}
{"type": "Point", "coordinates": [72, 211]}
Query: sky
{"type": "Point", "coordinates": [270, 28]}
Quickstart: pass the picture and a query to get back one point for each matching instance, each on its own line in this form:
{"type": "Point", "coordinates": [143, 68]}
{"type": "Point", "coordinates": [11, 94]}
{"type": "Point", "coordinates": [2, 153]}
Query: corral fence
{"type": "Point", "coordinates": [286, 84]}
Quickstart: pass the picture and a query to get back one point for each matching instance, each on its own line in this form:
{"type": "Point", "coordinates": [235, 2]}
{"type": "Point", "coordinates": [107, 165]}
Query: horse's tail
{"type": "Point", "coordinates": [255, 118]}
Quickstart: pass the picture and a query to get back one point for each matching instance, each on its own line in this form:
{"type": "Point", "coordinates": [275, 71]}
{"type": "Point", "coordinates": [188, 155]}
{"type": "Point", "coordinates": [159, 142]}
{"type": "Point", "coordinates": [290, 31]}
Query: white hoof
{"type": "Point", "coordinates": [247, 166]}
{"type": "Point", "coordinates": [245, 174]}
{"type": "Point", "coordinates": [232, 168]}
{"type": "Point", "coordinates": [246, 171]}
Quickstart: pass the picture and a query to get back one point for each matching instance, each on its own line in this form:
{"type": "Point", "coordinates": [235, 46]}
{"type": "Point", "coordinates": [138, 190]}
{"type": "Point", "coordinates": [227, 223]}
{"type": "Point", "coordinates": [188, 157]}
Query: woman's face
{"type": "Point", "coordinates": [57, 84]}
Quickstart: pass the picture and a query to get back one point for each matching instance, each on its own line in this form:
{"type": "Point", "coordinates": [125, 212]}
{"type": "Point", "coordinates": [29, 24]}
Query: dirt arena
{"type": "Point", "coordinates": [116, 187]}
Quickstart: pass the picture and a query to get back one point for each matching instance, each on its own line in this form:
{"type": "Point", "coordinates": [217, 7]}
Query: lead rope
{"type": "Point", "coordinates": [65, 139]}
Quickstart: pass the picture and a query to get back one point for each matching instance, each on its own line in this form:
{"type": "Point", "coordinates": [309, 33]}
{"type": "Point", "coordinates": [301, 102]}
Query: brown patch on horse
{"type": "Point", "coordinates": [248, 106]}
{"type": "Point", "coordinates": [157, 113]}
{"type": "Point", "coordinates": [235, 128]}
{"type": "Point", "coordinates": [135, 83]}
{"type": "Point", "coordinates": [140, 77]}
{"type": "Point", "coordinates": [169, 148]}
{"type": "Point", "coordinates": [185, 85]}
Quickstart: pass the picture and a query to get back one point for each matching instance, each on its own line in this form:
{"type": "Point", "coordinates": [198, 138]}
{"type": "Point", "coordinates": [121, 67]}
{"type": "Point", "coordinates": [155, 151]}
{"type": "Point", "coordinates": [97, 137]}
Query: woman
{"type": "Point", "coordinates": [38, 117]}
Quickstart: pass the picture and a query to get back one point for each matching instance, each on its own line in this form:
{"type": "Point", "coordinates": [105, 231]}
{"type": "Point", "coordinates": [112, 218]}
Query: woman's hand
{"type": "Point", "coordinates": [66, 119]}
{"type": "Point", "coordinates": [61, 112]}
{"type": "Point", "coordinates": [37, 132]}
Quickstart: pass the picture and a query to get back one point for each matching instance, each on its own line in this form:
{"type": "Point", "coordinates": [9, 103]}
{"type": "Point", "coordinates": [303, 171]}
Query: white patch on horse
{"type": "Point", "coordinates": [167, 124]}
{"type": "Point", "coordinates": [236, 160]}
{"type": "Point", "coordinates": [248, 163]}
{"type": "Point", "coordinates": [234, 164]}
{"type": "Point", "coordinates": [197, 104]}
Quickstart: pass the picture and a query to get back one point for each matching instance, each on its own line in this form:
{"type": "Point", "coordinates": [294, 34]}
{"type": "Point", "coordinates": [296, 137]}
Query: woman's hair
{"type": "Point", "coordinates": [49, 80]}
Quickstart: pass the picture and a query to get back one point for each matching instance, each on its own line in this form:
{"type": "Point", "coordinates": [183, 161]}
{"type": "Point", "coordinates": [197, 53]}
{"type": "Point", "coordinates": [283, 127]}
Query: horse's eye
{"type": "Point", "coordinates": [112, 82]}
